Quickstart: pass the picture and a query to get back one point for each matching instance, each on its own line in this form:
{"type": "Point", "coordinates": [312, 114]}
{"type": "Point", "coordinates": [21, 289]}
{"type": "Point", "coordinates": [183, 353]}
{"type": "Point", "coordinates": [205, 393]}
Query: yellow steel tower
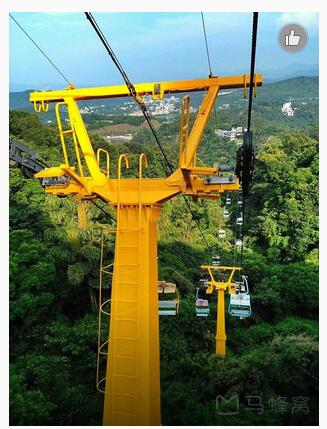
{"type": "Point", "coordinates": [221, 285]}
{"type": "Point", "coordinates": [132, 390]}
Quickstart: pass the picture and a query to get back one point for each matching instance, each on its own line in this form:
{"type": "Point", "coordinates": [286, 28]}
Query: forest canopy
{"type": "Point", "coordinates": [54, 275]}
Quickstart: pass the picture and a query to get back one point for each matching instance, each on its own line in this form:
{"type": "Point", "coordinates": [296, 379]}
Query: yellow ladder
{"type": "Point", "coordinates": [132, 382]}
{"type": "Point", "coordinates": [103, 311]}
{"type": "Point", "coordinates": [72, 132]}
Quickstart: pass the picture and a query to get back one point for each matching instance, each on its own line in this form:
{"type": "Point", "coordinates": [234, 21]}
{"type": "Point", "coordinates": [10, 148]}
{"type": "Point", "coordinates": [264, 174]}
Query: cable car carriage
{"type": "Point", "coordinates": [201, 305]}
{"type": "Point", "coordinates": [240, 302]}
{"type": "Point", "coordinates": [226, 213]}
{"type": "Point", "coordinates": [239, 221]}
{"type": "Point", "coordinates": [168, 306]}
{"type": "Point", "coordinates": [221, 233]}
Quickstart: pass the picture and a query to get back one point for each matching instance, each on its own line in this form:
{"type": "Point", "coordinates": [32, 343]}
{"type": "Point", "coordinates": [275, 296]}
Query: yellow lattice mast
{"type": "Point", "coordinates": [132, 388]}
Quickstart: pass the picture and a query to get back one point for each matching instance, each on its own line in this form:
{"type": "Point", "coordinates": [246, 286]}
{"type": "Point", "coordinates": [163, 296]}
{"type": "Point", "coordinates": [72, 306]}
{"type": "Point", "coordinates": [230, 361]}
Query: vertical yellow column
{"type": "Point", "coordinates": [221, 333]}
{"type": "Point", "coordinates": [132, 391]}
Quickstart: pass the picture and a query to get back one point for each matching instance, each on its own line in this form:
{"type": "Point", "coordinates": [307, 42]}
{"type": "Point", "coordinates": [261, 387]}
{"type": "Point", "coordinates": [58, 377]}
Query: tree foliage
{"type": "Point", "coordinates": [54, 275]}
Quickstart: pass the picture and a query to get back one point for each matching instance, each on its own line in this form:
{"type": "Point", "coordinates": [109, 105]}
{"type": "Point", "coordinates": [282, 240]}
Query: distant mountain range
{"type": "Point", "coordinates": [293, 71]}
{"type": "Point", "coordinates": [270, 74]}
{"type": "Point", "coordinates": [277, 91]}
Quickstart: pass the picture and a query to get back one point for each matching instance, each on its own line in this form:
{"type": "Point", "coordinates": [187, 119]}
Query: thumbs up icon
{"type": "Point", "coordinates": [292, 39]}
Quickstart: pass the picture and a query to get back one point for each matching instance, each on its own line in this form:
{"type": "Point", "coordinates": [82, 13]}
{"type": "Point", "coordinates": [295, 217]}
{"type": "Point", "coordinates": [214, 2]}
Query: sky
{"type": "Point", "coordinates": [151, 47]}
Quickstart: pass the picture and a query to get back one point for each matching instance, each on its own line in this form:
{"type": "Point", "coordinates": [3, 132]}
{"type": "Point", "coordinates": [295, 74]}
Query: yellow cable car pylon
{"type": "Point", "coordinates": [221, 284]}
{"type": "Point", "coordinates": [132, 389]}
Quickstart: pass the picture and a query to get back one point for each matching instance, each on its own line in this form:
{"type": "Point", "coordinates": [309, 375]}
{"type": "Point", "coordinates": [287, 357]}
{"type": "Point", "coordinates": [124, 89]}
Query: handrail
{"type": "Point", "coordinates": [62, 139]}
{"type": "Point", "coordinates": [62, 134]}
{"type": "Point", "coordinates": [105, 152]}
{"type": "Point", "coordinates": [122, 157]}
{"type": "Point", "coordinates": [75, 141]}
{"type": "Point", "coordinates": [142, 158]}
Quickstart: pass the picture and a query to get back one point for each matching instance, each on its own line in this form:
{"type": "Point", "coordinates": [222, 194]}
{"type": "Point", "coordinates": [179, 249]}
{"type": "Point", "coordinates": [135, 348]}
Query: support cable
{"type": "Point", "coordinates": [53, 65]}
{"type": "Point", "coordinates": [41, 50]}
{"type": "Point", "coordinates": [104, 211]}
{"type": "Point", "coordinates": [69, 83]}
{"type": "Point", "coordinates": [129, 84]}
{"type": "Point", "coordinates": [142, 106]}
{"type": "Point", "coordinates": [206, 43]}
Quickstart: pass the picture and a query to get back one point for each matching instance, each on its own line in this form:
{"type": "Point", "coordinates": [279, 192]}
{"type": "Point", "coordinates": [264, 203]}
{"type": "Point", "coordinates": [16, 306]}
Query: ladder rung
{"type": "Point", "coordinates": [125, 357]}
{"type": "Point", "coordinates": [123, 412]}
{"type": "Point", "coordinates": [128, 395]}
{"type": "Point", "coordinates": [68, 132]}
{"type": "Point", "coordinates": [127, 283]}
{"type": "Point", "coordinates": [125, 338]}
{"type": "Point", "coordinates": [124, 375]}
{"type": "Point", "coordinates": [127, 265]}
{"type": "Point", "coordinates": [129, 229]}
{"type": "Point", "coordinates": [126, 319]}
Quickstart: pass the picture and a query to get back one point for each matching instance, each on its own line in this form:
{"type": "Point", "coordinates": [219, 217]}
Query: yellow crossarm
{"type": "Point", "coordinates": [154, 88]}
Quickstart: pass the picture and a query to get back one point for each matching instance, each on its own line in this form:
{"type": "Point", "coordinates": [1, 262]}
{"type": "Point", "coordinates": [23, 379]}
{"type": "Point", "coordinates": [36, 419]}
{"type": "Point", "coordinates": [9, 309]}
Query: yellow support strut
{"type": "Point", "coordinates": [132, 391]}
{"type": "Point", "coordinates": [221, 332]}
{"type": "Point", "coordinates": [217, 282]}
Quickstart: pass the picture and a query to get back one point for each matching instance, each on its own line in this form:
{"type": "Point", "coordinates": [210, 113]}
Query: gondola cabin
{"type": "Point", "coordinates": [169, 304]}
{"type": "Point", "coordinates": [201, 305]}
{"type": "Point", "coordinates": [222, 233]}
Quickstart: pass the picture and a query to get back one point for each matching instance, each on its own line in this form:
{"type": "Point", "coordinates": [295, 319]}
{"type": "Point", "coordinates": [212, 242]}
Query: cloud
{"type": "Point", "coordinates": [306, 19]}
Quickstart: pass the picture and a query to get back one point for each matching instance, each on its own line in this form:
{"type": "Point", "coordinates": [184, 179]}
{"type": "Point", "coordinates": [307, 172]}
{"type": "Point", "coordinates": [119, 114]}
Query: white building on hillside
{"type": "Point", "coordinates": [232, 134]}
{"type": "Point", "coordinates": [287, 109]}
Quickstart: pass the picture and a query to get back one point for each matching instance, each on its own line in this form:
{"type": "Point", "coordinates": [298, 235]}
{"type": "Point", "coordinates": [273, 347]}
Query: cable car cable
{"type": "Point", "coordinates": [252, 68]}
{"type": "Point", "coordinates": [129, 84]}
{"type": "Point", "coordinates": [253, 55]}
{"type": "Point", "coordinates": [210, 75]}
{"type": "Point", "coordinates": [141, 104]}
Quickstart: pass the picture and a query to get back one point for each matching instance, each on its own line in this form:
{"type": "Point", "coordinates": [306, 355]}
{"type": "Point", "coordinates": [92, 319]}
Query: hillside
{"type": "Point", "coordinates": [272, 357]}
{"type": "Point", "coordinates": [295, 89]}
